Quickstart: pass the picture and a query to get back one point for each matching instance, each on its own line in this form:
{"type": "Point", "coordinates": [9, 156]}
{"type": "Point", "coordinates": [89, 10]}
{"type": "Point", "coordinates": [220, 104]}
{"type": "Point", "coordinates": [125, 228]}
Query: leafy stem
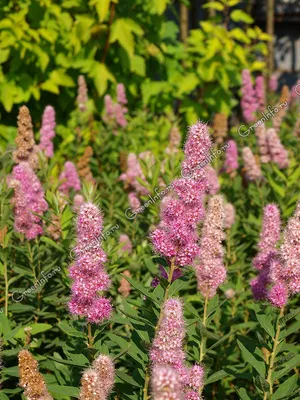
{"type": "Point", "coordinates": [166, 296]}
{"type": "Point", "coordinates": [276, 342]}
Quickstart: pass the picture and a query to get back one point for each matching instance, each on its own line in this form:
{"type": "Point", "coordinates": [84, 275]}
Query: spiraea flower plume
{"type": "Point", "coordinates": [126, 242]}
{"type": "Point", "coordinates": [231, 163]}
{"type": "Point", "coordinates": [268, 285]}
{"type": "Point", "coordinates": [132, 174]}
{"type": "Point", "coordinates": [278, 153]}
{"type": "Point", "coordinates": [48, 131]}
{"type": "Point", "coordinates": [165, 383]}
{"type": "Point", "coordinates": [282, 108]}
{"type": "Point", "coordinates": [167, 348]}
{"type": "Point", "coordinates": [209, 266]}
{"type": "Point", "coordinates": [174, 140]}
{"type": "Point", "coordinates": [252, 169]}
{"type": "Point", "coordinates": [97, 381]}
{"type": "Point", "coordinates": [83, 165]}
{"type": "Point", "coordinates": [82, 96]}
{"type": "Point", "coordinates": [69, 178]}
{"type": "Point", "coordinates": [273, 83]}
{"type": "Point", "coordinates": [261, 136]}
{"type": "Point", "coordinates": [176, 237]}
{"type": "Point", "coordinates": [248, 102]}
{"type": "Point", "coordinates": [89, 276]}
{"type": "Point", "coordinates": [26, 151]}
{"type": "Point", "coordinates": [115, 111]}
{"type": "Point", "coordinates": [31, 380]}
{"type": "Point", "coordinates": [229, 215]}
{"type": "Point", "coordinates": [260, 92]}
{"type": "Point", "coordinates": [28, 199]}
{"type": "Point", "coordinates": [220, 127]}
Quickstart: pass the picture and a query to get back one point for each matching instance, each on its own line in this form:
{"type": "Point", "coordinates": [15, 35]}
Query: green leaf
{"type": "Point", "coordinates": [289, 316]}
{"type": "Point", "coordinates": [63, 390]}
{"type": "Point", "coordinates": [46, 239]}
{"type": "Point", "coordinates": [126, 378]}
{"type": "Point", "coordinates": [259, 366]}
{"type": "Point", "coordinates": [261, 383]}
{"type": "Point", "coordinates": [70, 330]}
{"type": "Point", "coordinates": [158, 6]}
{"type": "Point", "coordinates": [241, 16]}
{"type": "Point", "coordinates": [215, 5]}
{"type": "Point", "coordinates": [101, 76]}
{"type": "Point", "coordinates": [140, 287]}
{"type": "Point", "coordinates": [102, 7]}
{"type": "Point", "coordinates": [122, 31]}
{"type": "Point", "coordinates": [4, 55]}
{"type": "Point", "coordinates": [286, 388]}
{"type": "Point", "coordinates": [264, 320]}
{"type": "Point", "coordinates": [216, 377]}
{"type": "Point", "coordinates": [242, 394]}
{"type": "Point", "coordinates": [293, 363]}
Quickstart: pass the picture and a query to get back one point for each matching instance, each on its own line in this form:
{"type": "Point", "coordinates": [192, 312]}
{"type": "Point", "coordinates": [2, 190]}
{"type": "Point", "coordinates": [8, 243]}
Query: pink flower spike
{"type": "Point", "coordinates": [48, 131]}
{"type": "Point", "coordinates": [165, 383]}
{"type": "Point", "coordinates": [121, 95]}
{"type": "Point", "coordinates": [88, 272]}
{"type": "Point", "coordinates": [248, 102]}
{"type": "Point", "coordinates": [209, 267]}
{"type": "Point", "coordinates": [69, 178]}
{"type": "Point", "coordinates": [28, 199]}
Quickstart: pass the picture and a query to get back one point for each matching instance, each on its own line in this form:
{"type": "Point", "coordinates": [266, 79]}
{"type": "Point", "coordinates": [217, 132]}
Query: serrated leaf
{"type": "Point", "coordinates": [259, 366]}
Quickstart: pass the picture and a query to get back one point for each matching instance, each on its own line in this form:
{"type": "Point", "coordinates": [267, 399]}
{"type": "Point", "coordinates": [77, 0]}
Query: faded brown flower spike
{"type": "Point", "coordinates": [26, 149]}
{"type": "Point", "coordinates": [31, 380]}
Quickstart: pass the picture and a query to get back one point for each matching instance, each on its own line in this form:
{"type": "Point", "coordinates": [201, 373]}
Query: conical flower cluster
{"type": "Point", "coordinates": [278, 153]}
{"type": "Point", "coordinates": [209, 267]}
{"type": "Point", "coordinates": [28, 199]}
{"type": "Point", "coordinates": [260, 92]}
{"type": "Point", "coordinates": [26, 151]}
{"type": "Point", "coordinates": [167, 351]}
{"type": "Point", "coordinates": [213, 181]}
{"type": "Point", "coordinates": [220, 127]}
{"type": "Point", "coordinates": [31, 380]}
{"type": "Point", "coordinates": [97, 382]}
{"type": "Point", "coordinates": [165, 383]}
{"type": "Point", "coordinates": [115, 112]}
{"type": "Point", "coordinates": [248, 102]}
{"type": "Point", "coordinates": [83, 166]}
{"type": "Point", "coordinates": [268, 285]}
{"type": "Point", "coordinates": [229, 215]}
{"type": "Point", "coordinates": [261, 136]}
{"type": "Point", "coordinates": [176, 236]}
{"type": "Point", "coordinates": [174, 140]}
{"type": "Point", "coordinates": [133, 175]}
{"type": "Point", "coordinates": [231, 163]}
{"type": "Point", "coordinates": [88, 273]}
{"type": "Point", "coordinates": [273, 83]}
{"type": "Point", "coordinates": [282, 108]}
{"type": "Point", "coordinates": [290, 252]}
{"type": "Point", "coordinates": [48, 131]}
{"type": "Point", "coordinates": [69, 178]}
{"type": "Point", "coordinates": [82, 96]}
{"type": "Point", "coordinates": [252, 169]}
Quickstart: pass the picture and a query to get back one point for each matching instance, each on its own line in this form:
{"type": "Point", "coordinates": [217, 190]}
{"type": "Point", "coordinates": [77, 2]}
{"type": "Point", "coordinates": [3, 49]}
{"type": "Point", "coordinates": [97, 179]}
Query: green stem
{"type": "Point", "coordinates": [6, 287]}
{"type": "Point", "coordinates": [203, 339]}
{"type": "Point", "coordinates": [90, 336]}
{"type": "Point", "coordinates": [170, 277]}
{"type": "Point", "coordinates": [276, 342]}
